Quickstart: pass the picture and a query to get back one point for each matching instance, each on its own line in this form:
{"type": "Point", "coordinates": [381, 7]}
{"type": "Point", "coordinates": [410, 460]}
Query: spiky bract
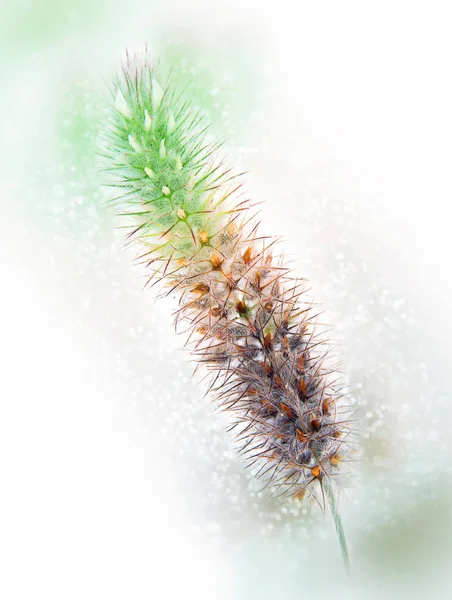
{"type": "Point", "coordinates": [245, 314]}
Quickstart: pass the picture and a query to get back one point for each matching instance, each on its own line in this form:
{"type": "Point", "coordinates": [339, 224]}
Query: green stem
{"type": "Point", "coordinates": [339, 526]}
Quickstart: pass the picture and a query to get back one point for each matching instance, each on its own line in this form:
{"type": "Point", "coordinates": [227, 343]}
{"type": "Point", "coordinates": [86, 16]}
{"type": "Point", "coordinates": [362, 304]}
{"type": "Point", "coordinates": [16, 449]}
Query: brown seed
{"type": "Point", "coordinates": [268, 369]}
{"type": "Point", "coordinates": [216, 260]}
{"type": "Point", "coordinates": [231, 229]}
{"type": "Point", "coordinates": [241, 307]}
{"type": "Point", "coordinates": [335, 459]}
{"type": "Point", "coordinates": [269, 406]}
{"type": "Point", "coordinates": [258, 280]}
{"type": "Point", "coordinates": [288, 410]}
{"type": "Point", "coordinates": [268, 341]}
{"type": "Point", "coordinates": [301, 436]}
{"type": "Point", "coordinates": [315, 472]}
{"type": "Point", "coordinates": [300, 494]}
{"type": "Point", "coordinates": [202, 288]}
{"type": "Point", "coordinates": [277, 379]}
{"type": "Point", "coordinates": [203, 236]}
{"type": "Point", "coordinates": [315, 424]}
{"type": "Point", "coordinates": [300, 363]}
{"type": "Point", "coordinates": [302, 388]}
{"type": "Point", "coordinates": [247, 256]}
{"type": "Point", "coordinates": [326, 406]}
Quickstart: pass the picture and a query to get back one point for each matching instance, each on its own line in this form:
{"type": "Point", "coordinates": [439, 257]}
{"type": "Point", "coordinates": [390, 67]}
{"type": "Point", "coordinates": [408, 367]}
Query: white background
{"type": "Point", "coordinates": [117, 478]}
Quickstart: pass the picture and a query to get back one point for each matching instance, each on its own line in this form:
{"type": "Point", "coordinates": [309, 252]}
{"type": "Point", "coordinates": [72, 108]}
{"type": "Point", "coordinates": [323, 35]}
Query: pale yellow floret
{"type": "Point", "coordinates": [157, 95]}
{"type": "Point", "coordinates": [121, 105]}
{"type": "Point", "coordinates": [147, 121]}
{"type": "Point", "coordinates": [135, 144]}
{"type": "Point", "coordinates": [171, 123]}
{"type": "Point", "coordinates": [162, 150]}
{"type": "Point", "coordinates": [165, 190]}
{"type": "Point", "coordinates": [190, 183]}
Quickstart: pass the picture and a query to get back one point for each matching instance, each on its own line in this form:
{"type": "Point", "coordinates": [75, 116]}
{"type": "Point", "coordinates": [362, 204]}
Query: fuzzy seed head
{"type": "Point", "coordinates": [247, 318]}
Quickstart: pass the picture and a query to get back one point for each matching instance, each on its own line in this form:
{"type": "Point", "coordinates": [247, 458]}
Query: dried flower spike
{"type": "Point", "coordinates": [245, 315]}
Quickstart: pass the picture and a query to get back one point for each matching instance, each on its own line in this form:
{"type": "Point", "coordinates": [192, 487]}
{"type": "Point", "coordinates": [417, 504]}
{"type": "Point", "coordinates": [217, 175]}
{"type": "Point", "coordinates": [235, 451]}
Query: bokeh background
{"type": "Point", "coordinates": [117, 477]}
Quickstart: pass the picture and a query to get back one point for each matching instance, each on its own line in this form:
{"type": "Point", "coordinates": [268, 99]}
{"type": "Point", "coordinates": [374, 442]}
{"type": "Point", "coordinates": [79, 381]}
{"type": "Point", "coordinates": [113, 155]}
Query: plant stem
{"type": "Point", "coordinates": [339, 527]}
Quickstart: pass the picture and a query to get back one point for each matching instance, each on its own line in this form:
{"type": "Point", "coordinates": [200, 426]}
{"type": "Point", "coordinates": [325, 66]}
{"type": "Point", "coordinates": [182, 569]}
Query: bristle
{"type": "Point", "coordinates": [245, 317]}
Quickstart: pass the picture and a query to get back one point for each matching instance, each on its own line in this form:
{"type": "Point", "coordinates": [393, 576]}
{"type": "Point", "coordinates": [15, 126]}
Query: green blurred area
{"type": "Point", "coordinates": [63, 46]}
{"type": "Point", "coordinates": [30, 26]}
